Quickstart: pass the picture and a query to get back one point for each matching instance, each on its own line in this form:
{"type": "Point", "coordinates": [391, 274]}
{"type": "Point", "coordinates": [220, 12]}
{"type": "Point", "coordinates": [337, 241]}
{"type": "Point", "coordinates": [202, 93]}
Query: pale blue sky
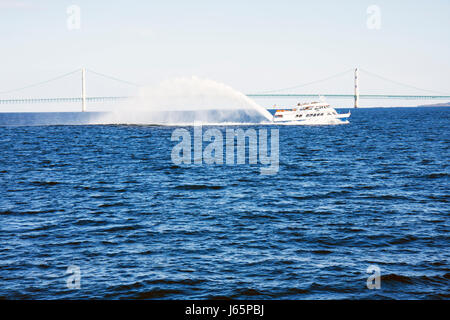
{"type": "Point", "coordinates": [249, 45]}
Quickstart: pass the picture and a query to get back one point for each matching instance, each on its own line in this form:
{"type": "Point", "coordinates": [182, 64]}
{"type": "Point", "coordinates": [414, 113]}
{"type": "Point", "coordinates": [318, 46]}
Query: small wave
{"type": "Point", "coordinates": [9, 212]}
{"type": "Point", "coordinates": [436, 175]}
{"type": "Point", "coordinates": [396, 278]}
{"type": "Point", "coordinates": [405, 239]}
{"type": "Point", "coordinates": [247, 292]}
{"type": "Point", "coordinates": [127, 287]}
{"type": "Point", "coordinates": [121, 228]}
{"type": "Point", "coordinates": [439, 198]}
{"type": "Point", "coordinates": [367, 187]}
{"type": "Point", "coordinates": [392, 277]}
{"type": "Point", "coordinates": [72, 243]}
{"type": "Point", "coordinates": [322, 251]}
{"type": "Point", "coordinates": [439, 296]}
{"type": "Point", "coordinates": [107, 205]}
{"type": "Point", "coordinates": [385, 197]}
{"type": "Point", "coordinates": [328, 195]}
{"type": "Point", "coordinates": [198, 187]}
{"type": "Point", "coordinates": [432, 176]}
{"type": "Point", "coordinates": [45, 183]}
{"type": "Point", "coordinates": [353, 230]}
{"type": "Point", "coordinates": [438, 263]}
{"type": "Point", "coordinates": [157, 293]}
{"type": "Point", "coordinates": [162, 288]}
{"type": "Point", "coordinates": [146, 252]}
{"type": "Point", "coordinates": [311, 174]}
{"type": "Point", "coordinates": [332, 241]}
{"type": "Point", "coordinates": [83, 222]}
{"type": "Point", "coordinates": [189, 282]}
{"type": "Point", "coordinates": [297, 291]}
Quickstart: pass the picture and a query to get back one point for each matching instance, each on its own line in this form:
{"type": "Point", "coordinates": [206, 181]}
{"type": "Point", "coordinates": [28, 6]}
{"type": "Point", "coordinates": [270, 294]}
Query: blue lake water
{"type": "Point", "coordinates": [108, 199]}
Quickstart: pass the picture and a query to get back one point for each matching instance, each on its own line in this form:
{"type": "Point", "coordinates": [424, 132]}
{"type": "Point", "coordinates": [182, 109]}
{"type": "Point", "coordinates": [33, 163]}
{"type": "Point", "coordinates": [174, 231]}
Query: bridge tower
{"type": "Point", "coordinates": [356, 89]}
{"type": "Point", "coordinates": [83, 90]}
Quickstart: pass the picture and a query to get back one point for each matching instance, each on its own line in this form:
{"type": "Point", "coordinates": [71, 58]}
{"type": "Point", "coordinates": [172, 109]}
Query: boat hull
{"type": "Point", "coordinates": [312, 122]}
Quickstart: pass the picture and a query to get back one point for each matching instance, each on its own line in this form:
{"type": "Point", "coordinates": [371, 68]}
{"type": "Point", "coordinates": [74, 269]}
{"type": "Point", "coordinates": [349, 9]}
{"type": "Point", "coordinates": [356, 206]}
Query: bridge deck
{"type": "Point", "coordinates": [294, 95]}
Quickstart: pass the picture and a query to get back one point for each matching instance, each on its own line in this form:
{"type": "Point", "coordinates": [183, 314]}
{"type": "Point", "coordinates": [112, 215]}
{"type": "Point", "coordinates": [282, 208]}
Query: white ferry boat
{"type": "Point", "coordinates": [311, 113]}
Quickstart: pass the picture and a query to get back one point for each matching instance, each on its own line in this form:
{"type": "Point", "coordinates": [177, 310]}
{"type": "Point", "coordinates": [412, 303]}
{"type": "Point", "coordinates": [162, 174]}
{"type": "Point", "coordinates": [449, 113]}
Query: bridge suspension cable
{"type": "Point", "coordinates": [400, 83]}
{"type": "Point", "coordinates": [308, 83]}
{"type": "Point", "coordinates": [41, 82]}
{"type": "Point", "coordinates": [114, 78]}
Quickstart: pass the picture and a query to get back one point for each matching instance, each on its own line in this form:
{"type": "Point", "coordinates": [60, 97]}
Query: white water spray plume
{"type": "Point", "coordinates": [187, 101]}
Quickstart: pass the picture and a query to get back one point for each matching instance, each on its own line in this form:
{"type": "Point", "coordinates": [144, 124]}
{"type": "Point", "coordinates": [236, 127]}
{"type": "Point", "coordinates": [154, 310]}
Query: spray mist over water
{"type": "Point", "coordinates": [189, 100]}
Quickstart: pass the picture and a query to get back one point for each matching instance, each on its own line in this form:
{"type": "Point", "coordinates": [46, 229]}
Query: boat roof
{"type": "Point", "coordinates": [314, 103]}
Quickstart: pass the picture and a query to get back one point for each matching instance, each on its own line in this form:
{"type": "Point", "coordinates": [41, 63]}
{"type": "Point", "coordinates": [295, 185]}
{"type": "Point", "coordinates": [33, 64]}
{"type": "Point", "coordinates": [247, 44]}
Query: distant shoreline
{"type": "Point", "coordinates": [443, 104]}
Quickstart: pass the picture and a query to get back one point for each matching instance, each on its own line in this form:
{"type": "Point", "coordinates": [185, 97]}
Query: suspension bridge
{"type": "Point", "coordinates": [276, 93]}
